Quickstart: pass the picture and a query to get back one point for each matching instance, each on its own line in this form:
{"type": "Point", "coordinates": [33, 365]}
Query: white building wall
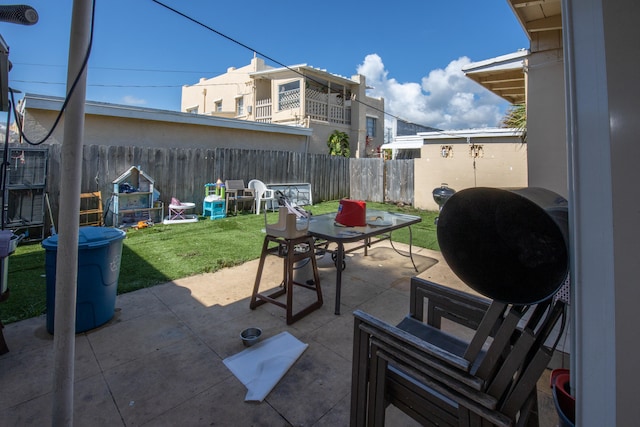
{"type": "Point", "coordinates": [546, 131]}
{"type": "Point", "coordinates": [603, 98]}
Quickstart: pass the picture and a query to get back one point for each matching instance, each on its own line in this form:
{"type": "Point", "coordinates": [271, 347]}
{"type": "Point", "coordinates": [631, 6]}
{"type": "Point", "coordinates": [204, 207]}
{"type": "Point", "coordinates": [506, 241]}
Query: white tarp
{"type": "Point", "coordinates": [261, 366]}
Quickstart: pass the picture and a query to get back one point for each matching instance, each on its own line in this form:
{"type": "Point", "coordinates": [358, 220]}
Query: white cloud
{"type": "Point", "coordinates": [132, 100]}
{"type": "Point", "coordinates": [444, 99]}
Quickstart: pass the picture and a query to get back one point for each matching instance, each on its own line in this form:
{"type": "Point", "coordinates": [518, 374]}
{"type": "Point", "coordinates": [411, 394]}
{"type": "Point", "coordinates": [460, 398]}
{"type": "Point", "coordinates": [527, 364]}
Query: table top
{"type": "Point", "coordinates": [378, 222]}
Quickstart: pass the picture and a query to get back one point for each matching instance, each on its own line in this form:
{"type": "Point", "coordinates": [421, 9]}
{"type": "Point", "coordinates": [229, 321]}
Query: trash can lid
{"type": "Point", "coordinates": [89, 237]}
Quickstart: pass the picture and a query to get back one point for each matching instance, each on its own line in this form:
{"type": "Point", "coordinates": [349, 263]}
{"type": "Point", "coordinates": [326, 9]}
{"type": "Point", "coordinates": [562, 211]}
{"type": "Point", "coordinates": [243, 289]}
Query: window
{"type": "Point", "coordinates": [289, 86]}
{"type": "Point", "coordinates": [289, 95]}
{"type": "Point", "coordinates": [372, 123]}
{"type": "Point", "coordinates": [240, 106]}
{"type": "Point", "coordinates": [192, 110]}
{"type": "Point", "coordinates": [217, 106]}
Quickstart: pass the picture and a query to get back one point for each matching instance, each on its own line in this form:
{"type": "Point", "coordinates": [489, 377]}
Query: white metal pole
{"type": "Point", "coordinates": [68, 228]}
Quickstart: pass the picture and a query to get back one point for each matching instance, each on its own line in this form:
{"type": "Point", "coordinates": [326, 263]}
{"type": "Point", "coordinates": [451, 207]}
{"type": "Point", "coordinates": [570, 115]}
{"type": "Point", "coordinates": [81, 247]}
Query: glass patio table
{"type": "Point", "coordinates": [379, 226]}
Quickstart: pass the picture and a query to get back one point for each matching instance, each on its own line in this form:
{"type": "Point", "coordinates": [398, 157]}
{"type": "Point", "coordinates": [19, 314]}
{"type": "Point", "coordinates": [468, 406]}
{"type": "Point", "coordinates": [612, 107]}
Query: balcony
{"type": "Point", "coordinates": [319, 106]}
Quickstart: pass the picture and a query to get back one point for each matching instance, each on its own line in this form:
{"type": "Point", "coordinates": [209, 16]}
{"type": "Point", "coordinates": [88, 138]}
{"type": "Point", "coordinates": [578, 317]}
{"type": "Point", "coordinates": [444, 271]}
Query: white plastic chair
{"type": "Point", "coordinates": [262, 194]}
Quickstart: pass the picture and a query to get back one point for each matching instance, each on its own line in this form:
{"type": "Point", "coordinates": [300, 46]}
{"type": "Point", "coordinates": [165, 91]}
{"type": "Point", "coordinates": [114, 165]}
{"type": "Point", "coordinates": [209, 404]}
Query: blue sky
{"type": "Point", "coordinates": [410, 51]}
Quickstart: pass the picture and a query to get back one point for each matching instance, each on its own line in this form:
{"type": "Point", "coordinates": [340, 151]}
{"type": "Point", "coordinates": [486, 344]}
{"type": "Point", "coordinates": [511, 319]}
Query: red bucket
{"type": "Point", "coordinates": [564, 401]}
{"type": "Point", "coordinates": [352, 213]}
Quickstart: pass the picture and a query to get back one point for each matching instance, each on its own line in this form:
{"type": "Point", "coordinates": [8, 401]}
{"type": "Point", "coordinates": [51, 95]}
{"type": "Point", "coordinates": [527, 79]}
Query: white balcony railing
{"type": "Point", "coordinates": [318, 106]}
{"type": "Point", "coordinates": [263, 110]}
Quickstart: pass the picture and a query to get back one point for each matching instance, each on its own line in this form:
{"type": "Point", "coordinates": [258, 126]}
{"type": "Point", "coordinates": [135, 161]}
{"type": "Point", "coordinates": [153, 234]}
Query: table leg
{"type": "Point", "coordinates": [410, 248]}
{"type": "Point", "coordinates": [410, 251]}
{"type": "Point", "coordinates": [3, 344]}
{"type": "Point", "coordinates": [339, 265]}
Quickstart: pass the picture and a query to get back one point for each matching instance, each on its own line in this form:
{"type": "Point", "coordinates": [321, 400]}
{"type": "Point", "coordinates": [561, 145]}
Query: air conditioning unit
{"type": "Point", "coordinates": [249, 109]}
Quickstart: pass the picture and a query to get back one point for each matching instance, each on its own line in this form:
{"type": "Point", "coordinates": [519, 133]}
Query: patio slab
{"type": "Point", "coordinates": [158, 362]}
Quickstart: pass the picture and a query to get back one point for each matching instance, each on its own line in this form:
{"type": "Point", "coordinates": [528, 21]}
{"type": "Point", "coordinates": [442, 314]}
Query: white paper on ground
{"type": "Point", "coordinates": [261, 366]}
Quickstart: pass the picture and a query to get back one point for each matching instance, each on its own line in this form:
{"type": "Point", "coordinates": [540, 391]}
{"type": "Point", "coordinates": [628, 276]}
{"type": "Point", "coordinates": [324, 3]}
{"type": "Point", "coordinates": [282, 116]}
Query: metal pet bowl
{"type": "Point", "coordinates": [250, 336]}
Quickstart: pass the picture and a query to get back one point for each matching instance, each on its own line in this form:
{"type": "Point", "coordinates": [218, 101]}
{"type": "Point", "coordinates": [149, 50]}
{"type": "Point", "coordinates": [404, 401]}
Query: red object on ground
{"type": "Point", "coordinates": [565, 402]}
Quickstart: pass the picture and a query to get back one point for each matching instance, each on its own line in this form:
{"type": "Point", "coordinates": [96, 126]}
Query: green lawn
{"type": "Point", "coordinates": [163, 253]}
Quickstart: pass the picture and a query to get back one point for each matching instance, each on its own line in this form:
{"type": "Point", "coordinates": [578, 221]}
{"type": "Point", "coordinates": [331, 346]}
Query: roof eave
{"type": "Point", "coordinates": [44, 102]}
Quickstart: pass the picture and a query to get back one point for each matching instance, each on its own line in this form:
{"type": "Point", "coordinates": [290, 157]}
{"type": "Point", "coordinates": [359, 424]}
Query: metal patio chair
{"type": "Point", "coordinates": [440, 379]}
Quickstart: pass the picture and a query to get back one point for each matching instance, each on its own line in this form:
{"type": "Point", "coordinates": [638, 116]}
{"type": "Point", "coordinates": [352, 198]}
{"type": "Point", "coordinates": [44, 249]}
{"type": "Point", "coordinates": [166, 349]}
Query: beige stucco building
{"type": "Point", "coordinates": [123, 125]}
{"type": "Point", "coordinates": [540, 67]}
{"type": "Point", "coordinates": [487, 157]}
{"type": "Point", "coordinates": [297, 96]}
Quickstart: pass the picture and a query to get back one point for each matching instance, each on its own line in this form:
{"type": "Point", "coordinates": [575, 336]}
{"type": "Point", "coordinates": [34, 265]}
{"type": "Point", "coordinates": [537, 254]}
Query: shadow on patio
{"type": "Point", "coordinates": [159, 360]}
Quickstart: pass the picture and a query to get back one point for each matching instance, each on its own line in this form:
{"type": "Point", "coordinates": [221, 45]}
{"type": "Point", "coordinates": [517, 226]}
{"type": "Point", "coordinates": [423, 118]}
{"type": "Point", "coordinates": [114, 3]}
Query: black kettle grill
{"type": "Point", "coordinates": [509, 245]}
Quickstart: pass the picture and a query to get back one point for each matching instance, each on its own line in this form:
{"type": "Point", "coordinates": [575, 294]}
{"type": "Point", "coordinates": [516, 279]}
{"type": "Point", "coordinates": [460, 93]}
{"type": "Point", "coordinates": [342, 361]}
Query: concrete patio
{"type": "Point", "coordinates": [158, 362]}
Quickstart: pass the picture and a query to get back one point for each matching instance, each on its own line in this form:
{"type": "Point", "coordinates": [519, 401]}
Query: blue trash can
{"type": "Point", "coordinates": [99, 254]}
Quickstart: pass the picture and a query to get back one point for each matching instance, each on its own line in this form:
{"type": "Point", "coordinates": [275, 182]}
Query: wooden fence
{"type": "Point", "coordinates": [399, 184]}
{"type": "Point", "coordinates": [183, 172]}
{"type": "Point", "coordinates": [382, 181]}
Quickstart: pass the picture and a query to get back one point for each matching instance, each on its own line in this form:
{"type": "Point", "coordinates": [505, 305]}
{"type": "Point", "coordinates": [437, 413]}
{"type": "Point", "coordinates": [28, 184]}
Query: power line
{"type": "Point", "coordinates": [146, 70]}
{"type": "Point", "coordinates": [95, 84]}
{"type": "Point", "coordinates": [83, 68]}
{"type": "Point", "coordinates": [122, 85]}
{"type": "Point", "coordinates": [231, 39]}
